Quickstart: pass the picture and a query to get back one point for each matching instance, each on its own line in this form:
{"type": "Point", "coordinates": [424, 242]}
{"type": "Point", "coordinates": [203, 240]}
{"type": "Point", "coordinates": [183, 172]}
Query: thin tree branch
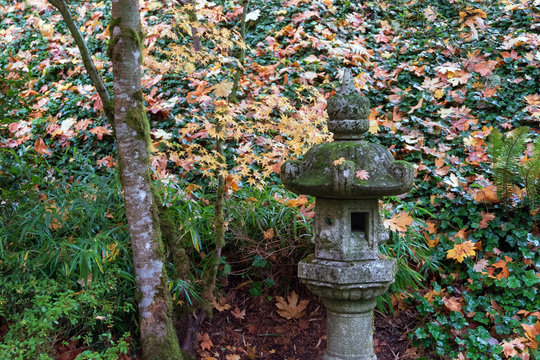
{"type": "Point", "coordinates": [96, 79]}
{"type": "Point", "coordinates": [242, 57]}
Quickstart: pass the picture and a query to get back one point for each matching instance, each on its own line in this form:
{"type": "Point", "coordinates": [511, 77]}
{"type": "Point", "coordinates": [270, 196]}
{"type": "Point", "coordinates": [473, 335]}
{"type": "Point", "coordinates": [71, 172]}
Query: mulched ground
{"type": "Point", "coordinates": [263, 334]}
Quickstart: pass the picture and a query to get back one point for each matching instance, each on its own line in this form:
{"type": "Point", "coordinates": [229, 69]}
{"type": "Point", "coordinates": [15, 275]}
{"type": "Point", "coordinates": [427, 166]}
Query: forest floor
{"type": "Point", "coordinates": [251, 328]}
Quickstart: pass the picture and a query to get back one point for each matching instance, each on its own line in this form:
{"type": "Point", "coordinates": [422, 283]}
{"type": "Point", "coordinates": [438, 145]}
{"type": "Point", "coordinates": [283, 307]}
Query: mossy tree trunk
{"type": "Point", "coordinates": [158, 336]}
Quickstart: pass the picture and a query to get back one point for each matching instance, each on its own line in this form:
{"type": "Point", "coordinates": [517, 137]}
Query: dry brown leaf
{"type": "Point", "coordinates": [238, 314]}
{"type": "Point", "coordinates": [291, 308]}
{"type": "Point", "coordinates": [206, 343]}
{"type": "Point", "coordinates": [487, 194]}
{"type": "Point", "coordinates": [486, 218]}
{"type": "Point", "coordinates": [232, 357]}
{"type": "Point", "coordinates": [453, 303]}
{"type": "Point", "coordinates": [268, 234]}
{"type": "Point", "coordinates": [41, 148]}
{"type": "Point", "coordinates": [251, 352]}
{"type": "Point", "coordinates": [221, 304]}
{"type": "Point", "coordinates": [480, 265]}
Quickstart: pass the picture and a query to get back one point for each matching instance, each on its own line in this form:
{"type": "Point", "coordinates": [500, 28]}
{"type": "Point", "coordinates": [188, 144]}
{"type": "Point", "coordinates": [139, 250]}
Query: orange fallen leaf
{"type": "Point", "coordinates": [221, 304]}
{"type": "Point", "coordinates": [205, 342]}
{"type": "Point", "coordinates": [531, 332]}
{"type": "Point", "coordinates": [41, 148]}
{"type": "Point", "coordinates": [487, 194]}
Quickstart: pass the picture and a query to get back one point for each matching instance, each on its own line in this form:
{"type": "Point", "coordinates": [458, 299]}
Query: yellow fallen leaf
{"type": "Point", "coordinates": [461, 251]}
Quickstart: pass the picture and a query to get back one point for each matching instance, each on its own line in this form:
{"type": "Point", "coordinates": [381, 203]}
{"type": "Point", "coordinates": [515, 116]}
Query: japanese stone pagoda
{"type": "Point", "coordinates": [347, 270]}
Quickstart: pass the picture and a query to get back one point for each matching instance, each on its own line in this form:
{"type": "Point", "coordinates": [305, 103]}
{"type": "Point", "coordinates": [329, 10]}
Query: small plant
{"type": "Point", "coordinates": [510, 167]}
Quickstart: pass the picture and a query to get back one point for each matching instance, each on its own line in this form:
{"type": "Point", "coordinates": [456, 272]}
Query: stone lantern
{"type": "Point", "coordinates": [347, 270]}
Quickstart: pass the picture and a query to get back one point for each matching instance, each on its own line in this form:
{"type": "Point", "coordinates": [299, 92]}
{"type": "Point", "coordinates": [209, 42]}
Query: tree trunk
{"type": "Point", "coordinates": [158, 336]}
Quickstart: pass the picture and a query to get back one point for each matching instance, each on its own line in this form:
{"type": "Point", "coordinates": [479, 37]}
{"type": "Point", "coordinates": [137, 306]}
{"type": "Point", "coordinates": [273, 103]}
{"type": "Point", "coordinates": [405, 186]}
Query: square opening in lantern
{"type": "Point", "coordinates": [359, 222]}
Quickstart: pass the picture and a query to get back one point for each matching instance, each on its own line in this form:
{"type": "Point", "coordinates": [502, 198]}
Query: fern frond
{"type": "Point", "coordinates": [505, 155]}
{"type": "Point", "coordinates": [530, 173]}
{"type": "Point", "coordinates": [495, 143]}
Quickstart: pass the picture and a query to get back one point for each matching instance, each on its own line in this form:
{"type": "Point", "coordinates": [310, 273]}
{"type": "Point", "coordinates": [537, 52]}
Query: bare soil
{"type": "Point", "coordinates": [263, 334]}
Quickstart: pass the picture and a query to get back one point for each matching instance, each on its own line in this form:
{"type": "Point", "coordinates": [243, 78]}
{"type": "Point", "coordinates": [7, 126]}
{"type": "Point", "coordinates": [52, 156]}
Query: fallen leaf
{"type": "Point", "coordinates": [399, 222]}
{"type": "Point", "coordinates": [251, 352]}
{"type": "Point", "coordinates": [339, 161]}
{"type": "Point", "coordinates": [480, 265]}
{"type": "Point", "coordinates": [531, 332]}
{"type": "Point", "coordinates": [41, 148]}
{"type": "Point", "coordinates": [461, 251]}
{"type": "Point", "coordinates": [486, 218]}
{"type": "Point", "coordinates": [205, 342]}
{"type": "Point", "coordinates": [291, 308]}
{"type": "Point", "coordinates": [223, 89]}
{"type": "Point", "coordinates": [232, 357]}
{"type": "Point", "coordinates": [462, 234]}
{"type": "Point", "coordinates": [453, 303]}
{"type": "Point", "coordinates": [362, 174]}
{"type": "Point", "coordinates": [487, 194]}
{"type": "Point", "coordinates": [268, 234]}
{"type": "Point", "coordinates": [221, 304]}
{"type": "Point", "coordinates": [238, 314]}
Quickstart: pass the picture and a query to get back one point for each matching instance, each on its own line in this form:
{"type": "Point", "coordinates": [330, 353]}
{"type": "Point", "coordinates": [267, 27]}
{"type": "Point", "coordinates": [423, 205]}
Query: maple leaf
{"type": "Point", "coordinates": [268, 234]}
{"type": "Point", "coordinates": [238, 314]}
{"type": "Point", "coordinates": [486, 218]}
{"type": "Point", "coordinates": [41, 148]}
{"type": "Point", "coordinates": [480, 265]}
{"type": "Point", "coordinates": [509, 348]}
{"type": "Point", "coordinates": [462, 234]}
{"type": "Point", "coordinates": [205, 342]}
{"type": "Point", "coordinates": [251, 352]}
{"type": "Point", "coordinates": [501, 264]}
{"type": "Point", "coordinates": [487, 194]}
{"type": "Point", "coordinates": [399, 222]}
{"type": "Point", "coordinates": [291, 308]}
{"type": "Point", "coordinates": [453, 303]}
{"type": "Point", "coordinates": [339, 161]}
{"type": "Point", "coordinates": [430, 295]}
{"type": "Point", "coordinates": [223, 89]}
{"type": "Point", "coordinates": [221, 304]}
{"type": "Point", "coordinates": [362, 174]}
{"type": "Point", "coordinates": [254, 15]}
{"type": "Point", "coordinates": [461, 251]}
{"type": "Point", "coordinates": [531, 332]}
